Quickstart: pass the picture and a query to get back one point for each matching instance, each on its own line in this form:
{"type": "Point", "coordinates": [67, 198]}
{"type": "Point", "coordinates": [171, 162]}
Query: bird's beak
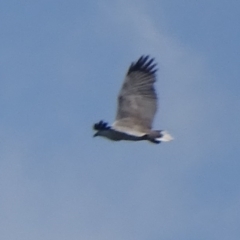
{"type": "Point", "coordinates": [95, 135]}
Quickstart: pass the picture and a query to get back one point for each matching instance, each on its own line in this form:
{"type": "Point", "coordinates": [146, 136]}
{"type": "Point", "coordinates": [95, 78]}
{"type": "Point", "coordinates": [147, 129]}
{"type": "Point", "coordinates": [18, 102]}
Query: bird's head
{"type": "Point", "coordinates": [97, 134]}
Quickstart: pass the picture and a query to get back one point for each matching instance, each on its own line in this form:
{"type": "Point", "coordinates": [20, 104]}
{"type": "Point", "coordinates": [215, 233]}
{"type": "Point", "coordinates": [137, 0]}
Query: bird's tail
{"type": "Point", "coordinates": [158, 136]}
{"type": "Point", "coordinates": [164, 137]}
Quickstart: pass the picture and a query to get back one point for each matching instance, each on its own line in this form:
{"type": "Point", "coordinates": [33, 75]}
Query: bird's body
{"type": "Point", "coordinates": [137, 106]}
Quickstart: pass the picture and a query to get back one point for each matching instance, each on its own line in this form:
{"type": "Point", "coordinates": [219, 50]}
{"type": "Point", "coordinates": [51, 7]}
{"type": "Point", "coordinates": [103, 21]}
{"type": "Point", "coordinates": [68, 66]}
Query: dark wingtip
{"type": "Point", "coordinates": [143, 64]}
{"type": "Point", "coordinates": [101, 125]}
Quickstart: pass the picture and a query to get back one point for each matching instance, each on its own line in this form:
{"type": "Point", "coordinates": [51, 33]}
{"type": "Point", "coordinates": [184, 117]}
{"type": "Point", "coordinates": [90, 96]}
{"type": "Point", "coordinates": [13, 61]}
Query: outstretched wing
{"type": "Point", "coordinates": [137, 100]}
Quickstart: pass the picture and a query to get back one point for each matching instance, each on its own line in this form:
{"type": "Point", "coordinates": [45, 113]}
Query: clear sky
{"type": "Point", "coordinates": [62, 65]}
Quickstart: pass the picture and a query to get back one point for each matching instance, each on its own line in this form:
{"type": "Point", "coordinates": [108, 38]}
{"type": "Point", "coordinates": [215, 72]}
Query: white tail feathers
{"type": "Point", "coordinates": [166, 137]}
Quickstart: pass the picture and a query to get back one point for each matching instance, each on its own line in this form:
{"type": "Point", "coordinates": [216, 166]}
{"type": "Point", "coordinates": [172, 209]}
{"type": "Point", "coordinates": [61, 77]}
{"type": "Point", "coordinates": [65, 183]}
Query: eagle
{"type": "Point", "coordinates": [137, 106]}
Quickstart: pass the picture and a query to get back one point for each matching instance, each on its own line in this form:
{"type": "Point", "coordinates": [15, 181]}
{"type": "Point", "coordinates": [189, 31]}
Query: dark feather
{"type": "Point", "coordinates": [144, 64]}
{"type": "Point", "coordinates": [101, 126]}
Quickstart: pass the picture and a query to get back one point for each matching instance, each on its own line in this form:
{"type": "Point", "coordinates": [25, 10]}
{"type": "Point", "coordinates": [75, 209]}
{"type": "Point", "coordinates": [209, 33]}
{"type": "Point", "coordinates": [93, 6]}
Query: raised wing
{"type": "Point", "coordinates": [137, 100]}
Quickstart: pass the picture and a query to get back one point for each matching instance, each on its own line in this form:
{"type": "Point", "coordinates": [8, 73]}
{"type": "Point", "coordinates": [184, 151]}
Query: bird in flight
{"type": "Point", "coordinates": [137, 106]}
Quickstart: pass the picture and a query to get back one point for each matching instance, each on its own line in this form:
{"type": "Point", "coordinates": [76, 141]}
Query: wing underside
{"type": "Point", "coordinates": [137, 100]}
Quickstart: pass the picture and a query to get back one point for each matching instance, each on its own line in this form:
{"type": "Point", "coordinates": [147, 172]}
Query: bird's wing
{"type": "Point", "coordinates": [137, 100]}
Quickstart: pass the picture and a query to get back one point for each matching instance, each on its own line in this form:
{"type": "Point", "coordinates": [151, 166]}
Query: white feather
{"type": "Point", "coordinates": [127, 130]}
{"type": "Point", "coordinates": [166, 137]}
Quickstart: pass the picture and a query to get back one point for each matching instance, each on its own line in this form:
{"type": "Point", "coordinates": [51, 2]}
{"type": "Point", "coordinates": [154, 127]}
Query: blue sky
{"type": "Point", "coordinates": [62, 65]}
